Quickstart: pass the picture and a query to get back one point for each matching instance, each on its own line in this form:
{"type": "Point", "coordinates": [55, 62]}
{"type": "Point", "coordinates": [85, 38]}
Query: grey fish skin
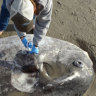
{"type": "Point", "coordinates": [64, 68]}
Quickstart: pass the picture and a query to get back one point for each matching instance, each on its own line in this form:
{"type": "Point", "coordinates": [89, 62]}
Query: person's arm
{"type": "Point", "coordinates": [42, 23]}
{"type": "Point", "coordinates": [4, 17]}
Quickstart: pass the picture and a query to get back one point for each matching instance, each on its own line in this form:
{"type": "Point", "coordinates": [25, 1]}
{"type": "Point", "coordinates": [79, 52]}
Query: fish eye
{"type": "Point", "coordinates": [78, 63]}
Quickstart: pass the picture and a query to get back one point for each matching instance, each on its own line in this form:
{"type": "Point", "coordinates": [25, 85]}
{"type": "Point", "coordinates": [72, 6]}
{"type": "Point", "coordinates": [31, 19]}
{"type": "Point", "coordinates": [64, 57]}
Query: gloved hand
{"type": "Point", "coordinates": [35, 50]}
{"type": "Point", "coordinates": [26, 43]}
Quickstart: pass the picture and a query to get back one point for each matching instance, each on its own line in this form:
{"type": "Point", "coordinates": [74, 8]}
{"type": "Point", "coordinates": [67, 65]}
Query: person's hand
{"type": "Point", "coordinates": [1, 32]}
{"type": "Point", "coordinates": [26, 43]}
{"type": "Point", "coordinates": [35, 50]}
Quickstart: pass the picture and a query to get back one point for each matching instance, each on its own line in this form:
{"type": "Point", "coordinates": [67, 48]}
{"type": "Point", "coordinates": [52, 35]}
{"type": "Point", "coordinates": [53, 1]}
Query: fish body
{"type": "Point", "coordinates": [62, 68]}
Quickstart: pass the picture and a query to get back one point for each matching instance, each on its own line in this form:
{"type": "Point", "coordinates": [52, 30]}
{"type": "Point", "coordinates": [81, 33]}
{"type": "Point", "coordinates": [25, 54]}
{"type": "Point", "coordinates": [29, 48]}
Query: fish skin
{"type": "Point", "coordinates": [57, 74]}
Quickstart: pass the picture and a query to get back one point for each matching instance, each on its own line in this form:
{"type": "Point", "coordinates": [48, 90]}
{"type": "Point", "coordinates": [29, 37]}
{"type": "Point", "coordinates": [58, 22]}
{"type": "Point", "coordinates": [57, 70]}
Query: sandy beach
{"type": "Point", "coordinates": [73, 21]}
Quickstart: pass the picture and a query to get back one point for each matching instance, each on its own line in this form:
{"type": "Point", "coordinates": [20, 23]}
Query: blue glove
{"type": "Point", "coordinates": [26, 43]}
{"type": "Point", "coordinates": [35, 50]}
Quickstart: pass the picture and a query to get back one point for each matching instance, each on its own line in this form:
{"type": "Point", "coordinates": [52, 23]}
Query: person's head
{"type": "Point", "coordinates": [22, 13]}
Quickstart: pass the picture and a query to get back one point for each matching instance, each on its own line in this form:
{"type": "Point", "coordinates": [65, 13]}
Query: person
{"type": "Point", "coordinates": [27, 15]}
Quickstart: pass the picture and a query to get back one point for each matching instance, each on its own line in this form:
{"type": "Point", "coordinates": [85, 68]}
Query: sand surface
{"type": "Point", "coordinates": [73, 21]}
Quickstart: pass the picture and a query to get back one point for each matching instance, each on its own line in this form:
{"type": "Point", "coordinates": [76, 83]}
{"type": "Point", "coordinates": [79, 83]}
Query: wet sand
{"type": "Point", "coordinates": [73, 21]}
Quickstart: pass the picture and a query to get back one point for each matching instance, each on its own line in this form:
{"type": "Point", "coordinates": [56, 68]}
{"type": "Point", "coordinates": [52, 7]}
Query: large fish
{"type": "Point", "coordinates": [61, 68]}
